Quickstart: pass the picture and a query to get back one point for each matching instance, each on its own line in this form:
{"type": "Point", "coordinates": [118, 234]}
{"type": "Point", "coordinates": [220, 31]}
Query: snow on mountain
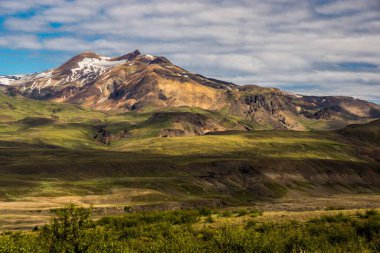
{"type": "Point", "coordinates": [4, 80]}
{"type": "Point", "coordinates": [82, 69]}
{"type": "Point", "coordinates": [8, 80]}
{"type": "Point", "coordinates": [93, 66]}
{"type": "Point", "coordinates": [149, 57]}
{"type": "Point", "coordinates": [46, 74]}
{"type": "Point", "coordinates": [292, 94]}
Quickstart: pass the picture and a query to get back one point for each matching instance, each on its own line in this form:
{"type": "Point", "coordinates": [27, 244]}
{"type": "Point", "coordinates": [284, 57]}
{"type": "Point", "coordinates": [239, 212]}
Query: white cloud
{"type": "Point", "coordinates": [20, 41]}
{"type": "Point", "coordinates": [12, 6]}
{"type": "Point", "coordinates": [338, 7]}
{"type": "Point", "coordinates": [273, 42]}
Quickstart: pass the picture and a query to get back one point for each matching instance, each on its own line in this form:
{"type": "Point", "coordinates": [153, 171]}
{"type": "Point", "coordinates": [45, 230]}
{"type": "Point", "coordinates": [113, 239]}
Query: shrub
{"type": "Point", "coordinates": [66, 232]}
{"type": "Point", "coordinates": [204, 212]}
{"type": "Point", "coordinates": [333, 208]}
{"type": "Point", "coordinates": [172, 231]}
{"type": "Point", "coordinates": [241, 212]}
{"type": "Point", "coordinates": [225, 214]}
{"type": "Point", "coordinates": [209, 219]}
{"type": "Point", "coordinates": [127, 209]}
{"type": "Point", "coordinates": [255, 213]}
{"type": "Point", "coordinates": [250, 224]}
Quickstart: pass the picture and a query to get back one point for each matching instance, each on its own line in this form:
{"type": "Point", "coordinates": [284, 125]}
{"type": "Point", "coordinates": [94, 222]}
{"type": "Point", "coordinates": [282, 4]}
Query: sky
{"type": "Point", "coordinates": [319, 47]}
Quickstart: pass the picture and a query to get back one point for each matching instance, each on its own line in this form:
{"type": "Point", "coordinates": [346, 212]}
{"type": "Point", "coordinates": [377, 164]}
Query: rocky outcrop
{"type": "Point", "coordinates": [330, 112]}
{"type": "Point", "coordinates": [332, 107]}
{"type": "Point", "coordinates": [190, 124]}
{"type": "Point", "coordinates": [106, 137]}
{"type": "Point", "coordinates": [167, 132]}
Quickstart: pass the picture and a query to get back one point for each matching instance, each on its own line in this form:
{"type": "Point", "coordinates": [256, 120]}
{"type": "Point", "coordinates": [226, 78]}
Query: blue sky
{"type": "Point", "coordinates": [307, 46]}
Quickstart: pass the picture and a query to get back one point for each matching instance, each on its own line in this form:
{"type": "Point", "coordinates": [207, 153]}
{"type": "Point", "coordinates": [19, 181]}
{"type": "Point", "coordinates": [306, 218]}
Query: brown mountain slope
{"type": "Point", "coordinates": [144, 82]}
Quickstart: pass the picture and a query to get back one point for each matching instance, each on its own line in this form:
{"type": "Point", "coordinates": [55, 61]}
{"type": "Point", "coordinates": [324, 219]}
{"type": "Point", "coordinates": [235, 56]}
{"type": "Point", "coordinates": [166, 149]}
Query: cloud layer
{"type": "Point", "coordinates": [308, 46]}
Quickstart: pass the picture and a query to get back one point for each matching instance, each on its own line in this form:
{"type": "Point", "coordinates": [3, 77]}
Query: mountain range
{"type": "Point", "coordinates": [137, 82]}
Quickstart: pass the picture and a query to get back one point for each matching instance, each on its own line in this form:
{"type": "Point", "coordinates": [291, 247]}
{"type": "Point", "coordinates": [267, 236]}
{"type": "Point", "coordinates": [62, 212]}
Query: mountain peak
{"type": "Point", "coordinates": [73, 62]}
{"type": "Point", "coordinates": [89, 54]}
{"type": "Point", "coordinates": [129, 57]}
{"type": "Point", "coordinates": [136, 52]}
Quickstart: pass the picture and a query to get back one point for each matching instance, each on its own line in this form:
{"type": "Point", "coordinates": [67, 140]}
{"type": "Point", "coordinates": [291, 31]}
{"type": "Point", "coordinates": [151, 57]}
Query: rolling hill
{"type": "Point", "coordinates": [176, 154]}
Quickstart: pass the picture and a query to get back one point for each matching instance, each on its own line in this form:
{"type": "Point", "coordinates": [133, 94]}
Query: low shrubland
{"type": "Point", "coordinates": [72, 230]}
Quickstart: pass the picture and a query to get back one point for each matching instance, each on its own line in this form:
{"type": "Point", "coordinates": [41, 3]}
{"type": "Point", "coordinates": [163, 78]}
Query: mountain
{"type": "Point", "coordinates": [160, 155]}
{"type": "Point", "coordinates": [137, 82]}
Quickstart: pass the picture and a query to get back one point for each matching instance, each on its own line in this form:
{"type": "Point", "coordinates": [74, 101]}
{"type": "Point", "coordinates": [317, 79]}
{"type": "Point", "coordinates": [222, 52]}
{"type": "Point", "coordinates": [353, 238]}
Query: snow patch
{"type": "Point", "coordinates": [46, 74]}
{"type": "Point", "coordinates": [149, 57]}
{"type": "Point", "coordinates": [292, 94]}
{"type": "Point", "coordinates": [93, 66]}
{"type": "Point", "coordinates": [8, 80]}
{"type": "Point", "coordinates": [47, 83]}
{"type": "Point", "coordinates": [4, 80]}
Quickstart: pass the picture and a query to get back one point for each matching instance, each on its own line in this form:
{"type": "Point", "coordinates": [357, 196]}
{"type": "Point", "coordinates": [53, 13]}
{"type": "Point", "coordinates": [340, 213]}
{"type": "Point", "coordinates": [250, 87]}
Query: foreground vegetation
{"type": "Point", "coordinates": [196, 231]}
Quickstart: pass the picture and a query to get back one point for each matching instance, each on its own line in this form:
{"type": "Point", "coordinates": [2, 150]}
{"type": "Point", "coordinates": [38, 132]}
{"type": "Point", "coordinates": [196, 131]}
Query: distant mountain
{"type": "Point", "coordinates": [135, 82]}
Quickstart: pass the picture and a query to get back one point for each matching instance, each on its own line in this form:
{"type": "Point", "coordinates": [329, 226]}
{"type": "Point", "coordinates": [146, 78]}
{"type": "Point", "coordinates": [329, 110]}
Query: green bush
{"type": "Point", "coordinates": [204, 212]}
{"type": "Point", "coordinates": [127, 209]}
{"type": "Point", "coordinates": [241, 212]}
{"type": "Point", "coordinates": [172, 231]}
{"type": "Point", "coordinates": [226, 214]}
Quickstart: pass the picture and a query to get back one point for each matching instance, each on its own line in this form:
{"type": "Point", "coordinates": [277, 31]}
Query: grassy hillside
{"type": "Point", "coordinates": [55, 153]}
{"type": "Point", "coordinates": [253, 145]}
{"type": "Point", "coordinates": [69, 126]}
{"type": "Point", "coordinates": [15, 108]}
{"type": "Point", "coordinates": [368, 133]}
